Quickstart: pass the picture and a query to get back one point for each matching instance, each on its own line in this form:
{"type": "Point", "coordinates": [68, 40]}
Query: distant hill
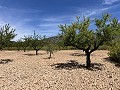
{"type": "Point", "coordinates": [55, 39]}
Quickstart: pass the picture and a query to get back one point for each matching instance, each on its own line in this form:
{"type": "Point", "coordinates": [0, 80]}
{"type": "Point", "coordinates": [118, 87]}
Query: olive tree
{"type": "Point", "coordinates": [80, 36]}
{"type": "Point", "coordinates": [6, 35]}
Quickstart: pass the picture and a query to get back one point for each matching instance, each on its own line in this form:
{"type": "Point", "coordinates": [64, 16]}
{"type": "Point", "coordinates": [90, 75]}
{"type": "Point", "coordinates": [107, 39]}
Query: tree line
{"type": "Point", "coordinates": [77, 35]}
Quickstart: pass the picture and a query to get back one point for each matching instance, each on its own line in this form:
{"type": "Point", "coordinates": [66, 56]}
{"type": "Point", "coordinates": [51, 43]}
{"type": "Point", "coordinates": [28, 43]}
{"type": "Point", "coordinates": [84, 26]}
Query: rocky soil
{"type": "Point", "coordinates": [65, 71]}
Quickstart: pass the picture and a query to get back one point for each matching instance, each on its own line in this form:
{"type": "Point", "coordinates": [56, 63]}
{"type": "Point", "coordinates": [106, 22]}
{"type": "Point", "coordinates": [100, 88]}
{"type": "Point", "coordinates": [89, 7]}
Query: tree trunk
{"type": "Point", "coordinates": [1, 47]}
{"type": "Point", "coordinates": [24, 49]}
{"type": "Point", "coordinates": [18, 49]}
{"type": "Point", "coordinates": [88, 62]}
{"type": "Point", "coordinates": [36, 52]}
{"type": "Point", "coordinates": [50, 55]}
{"type": "Point", "coordinates": [59, 48]}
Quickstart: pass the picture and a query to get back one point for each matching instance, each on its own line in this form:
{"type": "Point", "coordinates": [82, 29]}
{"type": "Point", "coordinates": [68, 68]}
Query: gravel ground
{"type": "Point", "coordinates": [65, 71]}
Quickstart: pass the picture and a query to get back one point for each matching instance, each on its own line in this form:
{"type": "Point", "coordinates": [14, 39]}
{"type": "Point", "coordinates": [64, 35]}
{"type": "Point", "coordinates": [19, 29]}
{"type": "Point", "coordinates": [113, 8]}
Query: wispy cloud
{"type": "Point", "coordinates": [18, 19]}
{"type": "Point", "coordinates": [49, 25]}
{"type": "Point", "coordinates": [51, 19]}
{"type": "Point", "coordinates": [3, 7]}
{"type": "Point", "coordinates": [92, 12]}
{"type": "Point", "coordinates": [110, 1]}
{"type": "Point", "coordinates": [95, 11]}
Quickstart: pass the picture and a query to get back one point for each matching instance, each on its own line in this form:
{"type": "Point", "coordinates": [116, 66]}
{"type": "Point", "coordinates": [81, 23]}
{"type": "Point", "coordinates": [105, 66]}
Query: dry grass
{"type": "Point", "coordinates": [65, 71]}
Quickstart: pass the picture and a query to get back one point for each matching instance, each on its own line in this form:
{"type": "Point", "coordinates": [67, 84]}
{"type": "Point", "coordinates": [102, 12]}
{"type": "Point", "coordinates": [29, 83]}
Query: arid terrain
{"type": "Point", "coordinates": [65, 71]}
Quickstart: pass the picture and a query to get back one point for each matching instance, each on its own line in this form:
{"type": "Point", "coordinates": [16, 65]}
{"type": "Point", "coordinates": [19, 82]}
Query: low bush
{"type": "Point", "coordinates": [114, 53]}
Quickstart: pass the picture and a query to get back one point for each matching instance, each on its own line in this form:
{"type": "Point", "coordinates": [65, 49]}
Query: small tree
{"type": "Point", "coordinates": [25, 43]}
{"type": "Point", "coordinates": [36, 42]}
{"type": "Point", "coordinates": [60, 45]}
{"type": "Point", "coordinates": [59, 42]}
{"type": "Point", "coordinates": [6, 35]}
{"type": "Point", "coordinates": [50, 48]}
{"type": "Point", "coordinates": [79, 35]}
{"type": "Point", "coordinates": [114, 53]}
{"type": "Point", "coordinates": [18, 44]}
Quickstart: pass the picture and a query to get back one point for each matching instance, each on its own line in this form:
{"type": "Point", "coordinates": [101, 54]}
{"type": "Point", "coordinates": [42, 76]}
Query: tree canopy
{"type": "Point", "coordinates": [6, 35]}
{"type": "Point", "coordinates": [79, 34]}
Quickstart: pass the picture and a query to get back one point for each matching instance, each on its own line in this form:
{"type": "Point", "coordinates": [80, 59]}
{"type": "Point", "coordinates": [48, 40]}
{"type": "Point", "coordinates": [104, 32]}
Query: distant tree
{"type": "Point", "coordinates": [60, 45]}
{"type": "Point", "coordinates": [56, 40]}
{"type": "Point", "coordinates": [50, 47]}
{"type": "Point", "coordinates": [18, 44]}
{"type": "Point", "coordinates": [36, 42]}
{"type": "Point", "coordinates": [26, 42]}
{"type": "Point", "coordinates": [6, 35]}
{"type": "Point", "coordinates": [79, 35]}
{"type": "Point", "coordinates": [59, 42]}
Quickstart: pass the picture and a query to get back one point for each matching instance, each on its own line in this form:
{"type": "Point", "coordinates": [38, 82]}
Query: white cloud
{"type": "Point", "coordinates": [94, 12]}
{"type": "Point", "coordinates": [52, 19]}
{"type": "Point", "coordinates": [15, 17]}
{"type": "Point", "coordinates": [110, 1]}
{"type": "Point", "coordinates": [48, 24]}
{"type": "Point", "coordinates": [91, 12]}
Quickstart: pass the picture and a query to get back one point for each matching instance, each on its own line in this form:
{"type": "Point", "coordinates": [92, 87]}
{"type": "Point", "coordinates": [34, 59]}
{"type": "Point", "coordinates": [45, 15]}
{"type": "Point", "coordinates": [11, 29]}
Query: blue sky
{"type": "Point", "coordinates": [44, 16]}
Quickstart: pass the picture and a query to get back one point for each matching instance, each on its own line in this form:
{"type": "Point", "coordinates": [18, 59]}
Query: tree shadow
{"type": "Point", "coordinates": [49, 58]}
{"type": "Point", "coordinates": [77, 54]}
{"type": "Point", "coordinates": [29, 54]}
{"type": "Point", "coordinates": [80, 54]}
{"type": "Point", "coordinates": [108, 59]}
{"type": "Point", "coordinates": [73, 64]}
{"type": "Point", "coordinates": [5, 61]}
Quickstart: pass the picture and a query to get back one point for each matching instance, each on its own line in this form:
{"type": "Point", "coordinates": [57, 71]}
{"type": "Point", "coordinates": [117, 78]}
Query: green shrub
{"type": "Point", "coordinates": [114, 53]}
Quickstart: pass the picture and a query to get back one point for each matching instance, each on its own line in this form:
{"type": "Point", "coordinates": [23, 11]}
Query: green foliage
{"type": "Point", "coordinates": [104, 47]}
{"type": "Point", "coordinates": [18, 44]}
{"type": "Point", "coordinates": [114, 53]}
{"type": "Point", "coordinates": [50, 48]}
{"type": "Point", "coordinates": [6, 35]}
{"type": "Point", "coordinates": [36, 42]}
{"type": "Point", "coordinates": [26, 42]}
{"type": "Point", "coordinates": [60, 45]}
{"type": "Point", "coordinates": [80, 36]}
{"type": "Point", "coordinates": [57, 41]}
